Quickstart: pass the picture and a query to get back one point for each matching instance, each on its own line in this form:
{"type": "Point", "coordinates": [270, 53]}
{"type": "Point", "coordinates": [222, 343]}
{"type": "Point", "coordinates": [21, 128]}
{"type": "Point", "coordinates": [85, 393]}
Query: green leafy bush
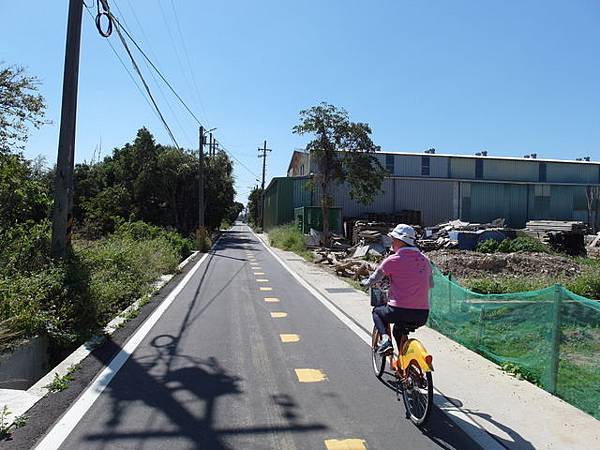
{"type": "Point", "coordinates": [520, 244]}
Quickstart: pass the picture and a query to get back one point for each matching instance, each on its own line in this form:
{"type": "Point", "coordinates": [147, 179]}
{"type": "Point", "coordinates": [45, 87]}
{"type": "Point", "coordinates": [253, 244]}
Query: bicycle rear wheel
{"type": "Point", "coordinates": [417, 394]}
{"type": "Point", "coordinates": [377, 360]}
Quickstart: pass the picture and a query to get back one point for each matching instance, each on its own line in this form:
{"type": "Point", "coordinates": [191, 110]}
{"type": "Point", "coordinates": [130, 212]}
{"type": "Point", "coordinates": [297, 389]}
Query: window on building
{"type": "Point", "coordinates": [479, 168]}
{"type": "Point", "coordinates": [389, 163]}
{"type": "Point", "coordinates": [542, 172]}
{"type": "Point", "coordinates": [425, 167]}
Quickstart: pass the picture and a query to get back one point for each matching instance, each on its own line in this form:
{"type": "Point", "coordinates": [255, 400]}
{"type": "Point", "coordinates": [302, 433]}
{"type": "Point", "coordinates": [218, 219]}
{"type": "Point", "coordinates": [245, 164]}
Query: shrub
{"type": "Point", "coordinates": [587, 284]}
{"type": "Point", "coordinates": [487, 246]}
{"type": "Point", "coordinates": [71, 299]}
{"type": "Point", "coordinates": [288, 237]}
{"type": "Point", "coordinates": [203, 242]}
{"type": "Point", "coordinates": [520, 244]}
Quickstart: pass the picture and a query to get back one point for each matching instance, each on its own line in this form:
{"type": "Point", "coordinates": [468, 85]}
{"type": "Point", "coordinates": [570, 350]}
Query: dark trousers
{"type": "Point", "coordinates": [384, 315]}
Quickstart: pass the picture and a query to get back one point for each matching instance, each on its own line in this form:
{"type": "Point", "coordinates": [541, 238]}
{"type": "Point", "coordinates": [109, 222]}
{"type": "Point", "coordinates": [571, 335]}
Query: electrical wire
{"type": "Point", "coordinates": [188, 60]}
{"type": "Point", "coordinates": [120, 28]}
{"type": "Point", "coordinates": [114, 50]}
{"type": "Point", "coordinates": [158, 86]}
{"type": "Point", "coordinates": [137, 69]}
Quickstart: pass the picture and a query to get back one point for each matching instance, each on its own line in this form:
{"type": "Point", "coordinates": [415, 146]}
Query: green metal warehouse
{"type": "Point", "coordinates": [475, 188]}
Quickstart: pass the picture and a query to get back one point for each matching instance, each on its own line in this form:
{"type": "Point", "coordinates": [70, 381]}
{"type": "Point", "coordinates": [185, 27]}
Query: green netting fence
{"type": "Point", "coordinates": [550, 337]}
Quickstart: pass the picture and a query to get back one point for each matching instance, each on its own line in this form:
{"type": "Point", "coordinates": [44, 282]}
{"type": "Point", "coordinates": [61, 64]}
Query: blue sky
{"type": "Point", "coordinates": [511, 77]}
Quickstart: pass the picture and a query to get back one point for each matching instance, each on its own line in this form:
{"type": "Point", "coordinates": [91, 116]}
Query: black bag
{"type": "Point", "coordinates": [379, 297]}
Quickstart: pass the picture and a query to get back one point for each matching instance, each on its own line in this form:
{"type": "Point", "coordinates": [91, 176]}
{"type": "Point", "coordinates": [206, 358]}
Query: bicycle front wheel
{"type": "Point", "coordinates": [417, 393]}
{"type": "Point", "coordinates": [377, 359]}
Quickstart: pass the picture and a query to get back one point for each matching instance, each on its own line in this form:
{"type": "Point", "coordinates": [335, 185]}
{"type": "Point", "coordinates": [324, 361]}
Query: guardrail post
{"type": "Point", "coordinates": [480, 327]}
{"type": "Point", "coordinates": [555, 348]}
{"type": "Point", "coordinates": [449, 292]}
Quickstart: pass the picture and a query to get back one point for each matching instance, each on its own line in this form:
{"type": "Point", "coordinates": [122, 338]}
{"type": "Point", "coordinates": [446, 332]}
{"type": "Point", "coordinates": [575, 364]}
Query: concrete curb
{"type": "Point", "coordinates": [20, 401]}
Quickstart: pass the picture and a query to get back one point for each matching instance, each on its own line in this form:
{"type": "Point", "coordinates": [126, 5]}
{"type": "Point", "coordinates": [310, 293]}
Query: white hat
{"type": "Point", "coordinates": [404, 233]}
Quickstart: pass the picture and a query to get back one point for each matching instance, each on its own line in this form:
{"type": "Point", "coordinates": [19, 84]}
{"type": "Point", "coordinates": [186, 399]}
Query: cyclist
{"type": "Point", "coordinates": [410, 277]}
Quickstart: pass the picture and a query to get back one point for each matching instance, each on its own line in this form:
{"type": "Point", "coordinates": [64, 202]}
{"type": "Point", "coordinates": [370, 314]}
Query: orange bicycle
{"type": "Point", "coordinates": [412, 366]}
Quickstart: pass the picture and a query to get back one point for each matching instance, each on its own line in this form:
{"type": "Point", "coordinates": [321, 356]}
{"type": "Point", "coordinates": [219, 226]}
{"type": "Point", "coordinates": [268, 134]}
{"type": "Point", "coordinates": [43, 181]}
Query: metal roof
{"type": "Point", "coordinates": [509, 158]}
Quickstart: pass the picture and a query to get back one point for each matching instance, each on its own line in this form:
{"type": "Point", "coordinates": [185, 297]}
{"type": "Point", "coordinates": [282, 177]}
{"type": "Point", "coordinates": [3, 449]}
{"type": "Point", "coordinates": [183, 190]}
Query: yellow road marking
{"type": "Point", "coordinates": [265, 288]}
{"type": "Point", "coordinates": [278, 315]}
{"type": "Point", "coordinates": [345, 444]}
{"type": "Point", "coordinates": [310, 375]}
{"type": "Point", "coordinates": [271, 300]}
{"type": "Point", "coordinates": [289, 338]}
{"type": "Point", "coordinates": [259, 273]}
{"type": "Point", "coordinates": [262, 280]}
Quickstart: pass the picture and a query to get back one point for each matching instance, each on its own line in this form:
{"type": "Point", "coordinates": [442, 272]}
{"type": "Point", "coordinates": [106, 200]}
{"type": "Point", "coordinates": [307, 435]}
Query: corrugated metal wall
{"type": "Point", "coordinates": [497, 169]}
{"type": "Point", "coordinates": [462, 168]}
{"type": "Point", "coordinates": [435, 199]}
{"type": "Point", "coordinates": [489, 201]}
{"type": "Point", "coordinates": [572, 173]}
{"type": "Point", "coordinates": [438, 200]}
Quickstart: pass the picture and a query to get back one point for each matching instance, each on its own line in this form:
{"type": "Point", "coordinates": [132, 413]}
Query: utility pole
{"type": "Point", "coordinates": [201, 178]}
{"type": "Point", "coordinates": [264, 151]}
{"type": "Point", "coordinates": [63, 190]}
{"type": "Point", "coordinates": [211, 145]}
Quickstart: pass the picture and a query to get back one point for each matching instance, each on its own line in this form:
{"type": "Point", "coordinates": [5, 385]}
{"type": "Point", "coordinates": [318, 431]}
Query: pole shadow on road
{"type": "Point", "coordinates": [184, 390]}
{"type": "Point", "coordinates": [444, 431]}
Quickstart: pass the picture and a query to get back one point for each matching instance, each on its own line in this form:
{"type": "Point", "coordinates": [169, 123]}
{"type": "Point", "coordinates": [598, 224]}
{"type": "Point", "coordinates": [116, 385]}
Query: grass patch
{"type": "Point", "coordinates": [505, 285]}
{"type": "Point", "coordinates": [288, 237]}
{"type": "Point", "coordinates": [585, 284]}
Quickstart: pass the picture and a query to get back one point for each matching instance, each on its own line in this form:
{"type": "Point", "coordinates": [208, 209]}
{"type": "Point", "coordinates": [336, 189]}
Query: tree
{"type": "Point", "coordinates": [23, 194]}
{"type": "Point", "coordinates": [218, 190]}
{"type": "Point", "coordinates": [254, 200]}
{"type": "Point", "coordinates": [20, 105]}
{"type": "Point", "coordinates": [592, 194]}
{"type": "Point", "coordinates": [343, 152]}
{"type": "Point", "coordinates": [234, 211]}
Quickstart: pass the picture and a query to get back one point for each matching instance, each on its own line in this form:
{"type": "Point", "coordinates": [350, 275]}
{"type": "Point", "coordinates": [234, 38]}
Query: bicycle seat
{"type": "Point", "coordinates": [406, 328]}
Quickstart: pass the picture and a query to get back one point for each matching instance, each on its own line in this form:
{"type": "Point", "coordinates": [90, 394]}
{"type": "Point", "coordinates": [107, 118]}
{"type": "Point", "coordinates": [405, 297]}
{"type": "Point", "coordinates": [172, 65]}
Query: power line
{"type": "Point", "coordinates": [137, 69]}
{"type": "Point", "coordinates": [187, 57]}
{"type": "Point", "coordinates": [114, 50]}
{"type": "Point", "coordinates": [157, 84]}
{"type": "Point", "coordinates": [120, 27]}
{"type": "Point", "coordinates": [157, 71]}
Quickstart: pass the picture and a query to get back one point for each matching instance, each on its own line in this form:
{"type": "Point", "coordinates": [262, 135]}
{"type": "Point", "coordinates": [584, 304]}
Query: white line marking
{"type": "Point", "coordinates": [61, 430]}
{"type": "Point", "coordinates": [481, 436]}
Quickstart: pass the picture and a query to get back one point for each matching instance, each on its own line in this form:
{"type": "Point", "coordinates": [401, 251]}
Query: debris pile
{"type": "Point", "coordinates": [343, 264]}
{"type": "Point", "coordinates": [561, 236]}
{"type": "Point", "coordinates": [593, 248]}
{"type": "Point", "coordinates": [376, 225]}
{"type": "Point", "coordinates": [467, 264]}
{"type": "Point", "coordinates": [463, 235]}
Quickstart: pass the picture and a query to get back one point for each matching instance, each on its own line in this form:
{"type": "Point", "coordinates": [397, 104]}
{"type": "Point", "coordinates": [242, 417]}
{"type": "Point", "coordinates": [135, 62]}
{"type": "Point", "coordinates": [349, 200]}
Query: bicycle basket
{"type": "Point", "coordinates": [379, 297]}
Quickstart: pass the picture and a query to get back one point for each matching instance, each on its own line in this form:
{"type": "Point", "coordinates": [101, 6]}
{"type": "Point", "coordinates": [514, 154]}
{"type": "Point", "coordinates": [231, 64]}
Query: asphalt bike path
{"type": "Point", "coordinates": [246, 358]}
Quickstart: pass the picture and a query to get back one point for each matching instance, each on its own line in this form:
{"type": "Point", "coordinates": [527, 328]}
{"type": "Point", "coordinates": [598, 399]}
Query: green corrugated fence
{"type": "Point", "coordinates": [550, 337]}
